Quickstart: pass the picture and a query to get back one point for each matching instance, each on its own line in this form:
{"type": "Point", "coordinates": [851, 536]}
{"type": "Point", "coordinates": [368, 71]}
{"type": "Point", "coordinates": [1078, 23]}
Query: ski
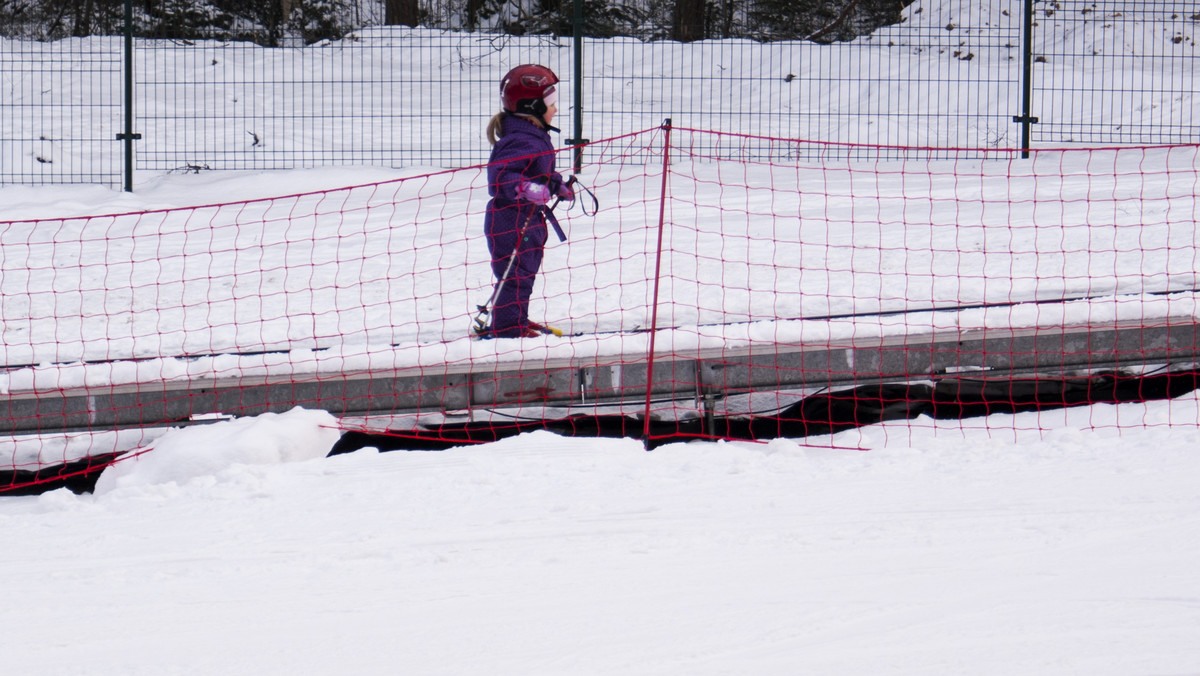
{"type": "Point", "coordinates": [481, 331]}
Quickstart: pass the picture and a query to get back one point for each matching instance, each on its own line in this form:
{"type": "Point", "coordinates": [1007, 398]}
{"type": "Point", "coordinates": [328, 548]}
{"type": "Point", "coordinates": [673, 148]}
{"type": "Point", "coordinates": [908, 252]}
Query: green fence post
{"type": "Point", "coordinates": [1025, 119]}
{"type": "Point", "coordinates": [579, 141]}
{"type": "Point", "coordinates": [128, 136]}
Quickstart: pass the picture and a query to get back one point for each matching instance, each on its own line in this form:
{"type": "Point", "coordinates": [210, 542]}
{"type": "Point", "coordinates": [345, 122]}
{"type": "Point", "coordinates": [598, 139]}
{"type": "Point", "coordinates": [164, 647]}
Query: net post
{"type": "Point", "coordinates": [662, 213]}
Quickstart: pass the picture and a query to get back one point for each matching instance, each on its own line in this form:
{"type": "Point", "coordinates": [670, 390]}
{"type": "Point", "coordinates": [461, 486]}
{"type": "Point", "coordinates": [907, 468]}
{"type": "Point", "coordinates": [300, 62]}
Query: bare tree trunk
{"type": "Point", "coordinates": [83, 19]}
{"type": "Point", "coordinates": [474, 8]}
{"type": "Point", "coordinates": [727, 11]}
{"type": "Point", "coordinates": [401, 13]}
{"type": "Point", "coordinates": [824, 31]}
{"type": "Point", "coordinates": [687, 21]}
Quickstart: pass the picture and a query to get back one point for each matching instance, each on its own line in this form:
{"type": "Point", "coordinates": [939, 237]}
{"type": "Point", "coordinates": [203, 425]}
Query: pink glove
{"type": "Point", "coordinates": [537, 193]}
{"type": "Point", "coordinates": [564, 192]}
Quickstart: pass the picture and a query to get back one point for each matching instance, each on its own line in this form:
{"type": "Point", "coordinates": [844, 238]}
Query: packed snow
{"type": "Point", "coordinates": [1052, 543]}
{"type": "Point", "coordinates": [942, 551]}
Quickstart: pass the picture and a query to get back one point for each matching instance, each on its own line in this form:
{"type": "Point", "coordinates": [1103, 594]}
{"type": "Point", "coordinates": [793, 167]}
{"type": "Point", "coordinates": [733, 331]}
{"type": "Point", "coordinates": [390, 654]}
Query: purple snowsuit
{"type": "Point", "coordinates": [524, 152]}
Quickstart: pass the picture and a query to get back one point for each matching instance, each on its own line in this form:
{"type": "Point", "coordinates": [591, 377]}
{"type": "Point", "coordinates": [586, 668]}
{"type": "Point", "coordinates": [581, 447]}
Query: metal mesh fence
{"type": "Point", "coordinates": [946, 76]}
{"type": "Point", "coordinates": [874, 90]}
{"type": "Point", "coordinates": [60, 110]}
{"type": "Point", "coordinates": [383, 96]}
{"type": "Point", "coordinates": [1116, 72]}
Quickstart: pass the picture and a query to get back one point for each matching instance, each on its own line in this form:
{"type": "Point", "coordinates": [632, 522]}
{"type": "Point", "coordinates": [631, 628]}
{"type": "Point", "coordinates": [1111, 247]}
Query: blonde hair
{"type": "Point", "coordinates": [494, 125]}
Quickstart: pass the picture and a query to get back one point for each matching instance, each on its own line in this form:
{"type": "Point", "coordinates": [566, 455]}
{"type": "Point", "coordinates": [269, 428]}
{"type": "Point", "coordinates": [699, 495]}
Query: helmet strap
{"type": "Point", "coordinates": [540, 117]}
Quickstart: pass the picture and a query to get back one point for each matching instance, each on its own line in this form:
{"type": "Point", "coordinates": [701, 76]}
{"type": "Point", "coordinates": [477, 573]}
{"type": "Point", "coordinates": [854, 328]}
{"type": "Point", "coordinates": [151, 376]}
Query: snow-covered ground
{"type": "Point", "coordinates": [1053, 543]}
{"type": "Point", "coordinates": [964, 552]}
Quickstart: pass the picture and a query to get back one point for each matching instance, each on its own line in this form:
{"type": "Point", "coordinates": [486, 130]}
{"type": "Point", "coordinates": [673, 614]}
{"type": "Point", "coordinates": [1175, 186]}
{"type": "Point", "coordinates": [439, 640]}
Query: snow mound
{"type": "Point", "coordinates": [209, 451]}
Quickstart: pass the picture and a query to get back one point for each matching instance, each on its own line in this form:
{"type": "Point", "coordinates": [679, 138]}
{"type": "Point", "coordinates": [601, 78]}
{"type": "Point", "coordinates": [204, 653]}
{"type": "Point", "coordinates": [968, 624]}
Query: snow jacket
{"type": "Point", "coordinates": [524, 152]}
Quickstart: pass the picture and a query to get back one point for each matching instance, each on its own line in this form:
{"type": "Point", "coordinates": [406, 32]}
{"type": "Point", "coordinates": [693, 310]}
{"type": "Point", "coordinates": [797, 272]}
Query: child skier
{"type": "Point", "coordinates": [521, 182]}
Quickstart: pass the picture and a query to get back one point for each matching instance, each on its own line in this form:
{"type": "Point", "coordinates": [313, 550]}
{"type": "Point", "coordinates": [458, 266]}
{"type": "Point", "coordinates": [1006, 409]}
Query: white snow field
{"type": "Point", "coordinates": [1055, 543]}
{"type": "Point", "coordinates": [237, 549]}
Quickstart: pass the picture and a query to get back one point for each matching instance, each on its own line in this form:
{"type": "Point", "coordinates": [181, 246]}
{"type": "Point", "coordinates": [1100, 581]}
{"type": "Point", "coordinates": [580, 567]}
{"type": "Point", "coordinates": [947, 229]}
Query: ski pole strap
{"type": "Point", "coordinates": [580, 192]}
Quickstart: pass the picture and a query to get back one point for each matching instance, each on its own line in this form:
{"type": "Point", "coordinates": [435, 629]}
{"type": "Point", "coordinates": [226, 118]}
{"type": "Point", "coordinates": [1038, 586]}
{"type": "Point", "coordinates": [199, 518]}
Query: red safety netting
{"type": "Point", "coordinates": [712, 286]}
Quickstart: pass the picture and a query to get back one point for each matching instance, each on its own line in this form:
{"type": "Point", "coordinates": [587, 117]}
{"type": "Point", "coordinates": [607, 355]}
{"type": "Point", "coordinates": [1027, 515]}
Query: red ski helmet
{"type": "Point", "coordinates": [524, 90]}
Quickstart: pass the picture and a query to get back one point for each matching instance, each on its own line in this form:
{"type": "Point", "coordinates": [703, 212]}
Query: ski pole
{"type": "Point", "coordinates": [478, 325]}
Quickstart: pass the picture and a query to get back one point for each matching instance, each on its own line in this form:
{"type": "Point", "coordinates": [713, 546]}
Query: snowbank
{"type": "Point", "coordinates": [214, 452]}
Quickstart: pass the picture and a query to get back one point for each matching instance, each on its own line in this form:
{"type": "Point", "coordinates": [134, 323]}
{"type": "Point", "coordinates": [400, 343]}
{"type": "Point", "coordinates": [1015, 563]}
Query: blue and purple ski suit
{"type": "Point", "coordinates": [523, 152]}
